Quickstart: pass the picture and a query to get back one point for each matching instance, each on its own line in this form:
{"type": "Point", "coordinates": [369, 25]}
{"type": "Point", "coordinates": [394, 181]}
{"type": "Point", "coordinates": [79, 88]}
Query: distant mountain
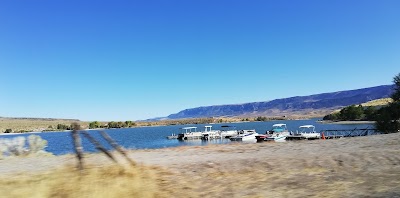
{"type": "Point", "coordinates": [313, 105]}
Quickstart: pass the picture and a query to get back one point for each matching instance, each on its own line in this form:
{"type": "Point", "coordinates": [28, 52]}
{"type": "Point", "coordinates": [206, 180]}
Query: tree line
{"type": "Point", "coordinates": [387, 118]}
{"type": "Point", "coordinates": [263, 118]}
{"type": "Point", "coordinates": [353, 112]}
{"type": "Point", "coordinates": [112, 124]}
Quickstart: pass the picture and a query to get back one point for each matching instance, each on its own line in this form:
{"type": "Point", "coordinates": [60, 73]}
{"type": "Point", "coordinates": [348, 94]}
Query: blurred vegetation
{"type": "Point", "coordinates": [99, 182]}
{"type": "Point", "coordinates": [386, 112]}
{"type": "Point", "coordinates": [388, 117]}
{"type": "Point", "coordinates": [22, 146]}
{"type": "Point", "coordinates": [63, 127]}
{"type": "Point", "coordinates": [353, 112]}
{"type": "Point", "coordinates": [263, 118]}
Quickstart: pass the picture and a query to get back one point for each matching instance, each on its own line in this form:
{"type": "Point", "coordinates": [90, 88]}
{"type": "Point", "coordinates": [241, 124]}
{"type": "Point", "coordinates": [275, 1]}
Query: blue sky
{"type": "Point", "coordinates": [130, 60]}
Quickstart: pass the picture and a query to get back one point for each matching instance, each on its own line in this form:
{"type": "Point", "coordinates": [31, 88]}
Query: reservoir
{"type": "Point", "coordinates": [155, 137]}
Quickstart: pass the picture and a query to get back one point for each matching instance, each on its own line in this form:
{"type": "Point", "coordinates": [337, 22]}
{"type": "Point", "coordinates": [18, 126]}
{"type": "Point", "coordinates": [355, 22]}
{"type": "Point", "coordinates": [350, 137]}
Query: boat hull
{"type": "Point", "coordinates": [248, 137]}
{"type": "Point", "coordinates": [261, 138]}
{"type": "Point", "coordinates": [281, 138]}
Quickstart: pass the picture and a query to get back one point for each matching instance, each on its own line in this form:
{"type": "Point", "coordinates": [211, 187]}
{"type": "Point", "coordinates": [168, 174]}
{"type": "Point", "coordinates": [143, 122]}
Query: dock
{"type": "Point", "coordinates": [300, 137]}
{"type": "Point", "coordinates": [334, 134]}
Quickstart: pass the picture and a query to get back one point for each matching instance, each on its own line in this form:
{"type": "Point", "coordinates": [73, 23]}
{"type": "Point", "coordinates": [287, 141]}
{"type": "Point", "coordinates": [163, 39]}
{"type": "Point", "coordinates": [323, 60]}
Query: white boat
{"type": "Point", "coordinates": [245, 135]}
{"type": "Point", "coordinates": [228, 131]}
{"type": "Point", "coordinates": [279, 132]}
{"type": "Point", "coordinates": [172, 136]}
{"type": "Point", "coordinates": [209, 134]}
{"type": "Point", "coordinates": [308, 132]}
{"type": "Point", "coordinates": [189, 133]}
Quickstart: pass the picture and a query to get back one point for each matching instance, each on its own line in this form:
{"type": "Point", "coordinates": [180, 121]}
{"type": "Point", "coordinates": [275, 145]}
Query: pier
{"type": "Point", "coordinates": [332, 134]}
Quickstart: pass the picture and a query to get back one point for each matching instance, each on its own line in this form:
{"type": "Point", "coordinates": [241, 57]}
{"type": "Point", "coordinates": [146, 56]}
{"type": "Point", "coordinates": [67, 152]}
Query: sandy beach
{"type": "Point", "coordinates": [348, 167]}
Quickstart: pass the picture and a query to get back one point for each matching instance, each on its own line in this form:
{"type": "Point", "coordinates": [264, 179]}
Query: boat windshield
{"type": "Point", "coordinates": [228, 128]}
{"type": "Point", "coordinates": [279, 127]}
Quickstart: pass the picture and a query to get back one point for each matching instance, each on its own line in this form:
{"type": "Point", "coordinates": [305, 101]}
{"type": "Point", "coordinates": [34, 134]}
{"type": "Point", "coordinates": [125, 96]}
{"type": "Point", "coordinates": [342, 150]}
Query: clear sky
{"type": "Point", "coordinates": [130, 60]}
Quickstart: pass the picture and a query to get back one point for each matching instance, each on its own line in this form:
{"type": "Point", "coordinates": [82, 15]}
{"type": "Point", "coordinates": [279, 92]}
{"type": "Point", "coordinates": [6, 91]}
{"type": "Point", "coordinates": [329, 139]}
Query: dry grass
{"type": "Point", "coordinates": [32, 124]}
{"type": "Point", "coordinates": [109, 181]}
{"type": "Point", "coordinates": [378, 102]}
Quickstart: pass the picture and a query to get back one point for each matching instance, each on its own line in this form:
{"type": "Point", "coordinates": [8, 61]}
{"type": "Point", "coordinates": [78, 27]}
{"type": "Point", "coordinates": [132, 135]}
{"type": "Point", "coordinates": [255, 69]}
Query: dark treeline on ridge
{"type": "Point", "coordinates": [387, 117]}
{"type": "Point", "coordinates": [353, 112]}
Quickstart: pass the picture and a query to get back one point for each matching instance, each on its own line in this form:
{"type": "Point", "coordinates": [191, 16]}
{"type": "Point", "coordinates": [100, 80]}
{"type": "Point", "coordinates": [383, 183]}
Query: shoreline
{"type": "Point", "coordinates": [345, 122]}
{"type": "Point", "coordinates": [33, 132]}
{"type": "Point", "coordinates": [32, 125]}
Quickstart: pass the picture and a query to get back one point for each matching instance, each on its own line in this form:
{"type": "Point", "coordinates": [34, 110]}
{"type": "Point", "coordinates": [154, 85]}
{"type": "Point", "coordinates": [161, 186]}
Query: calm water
{"type": "Point", "coordinates": [155, 137]}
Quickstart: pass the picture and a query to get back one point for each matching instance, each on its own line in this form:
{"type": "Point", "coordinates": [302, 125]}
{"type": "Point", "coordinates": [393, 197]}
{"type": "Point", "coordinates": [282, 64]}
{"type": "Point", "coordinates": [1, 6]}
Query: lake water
{"type": "Point", "coordinates": [155, 137]}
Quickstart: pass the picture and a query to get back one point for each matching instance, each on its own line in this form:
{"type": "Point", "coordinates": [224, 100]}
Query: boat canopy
{"type": "Point", "coordinates": [207, 128]}
{"type": "Point", "coordinates": [189, 128]}
{"type": "Point", "coordinates": [278, 125]}
{"type": "Point", "coordinates": [307, 129]}
{"type": "Point", "coordinates": [307, 126]}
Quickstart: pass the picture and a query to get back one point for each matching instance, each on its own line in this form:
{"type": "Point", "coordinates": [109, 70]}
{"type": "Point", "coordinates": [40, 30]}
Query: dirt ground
{"type": "Point", "coordinates": [347, 167]}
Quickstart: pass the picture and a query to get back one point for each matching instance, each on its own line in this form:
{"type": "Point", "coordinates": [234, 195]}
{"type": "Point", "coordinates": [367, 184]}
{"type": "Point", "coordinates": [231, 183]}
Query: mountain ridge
{"type": "Point", "coordinates": [296, 105]}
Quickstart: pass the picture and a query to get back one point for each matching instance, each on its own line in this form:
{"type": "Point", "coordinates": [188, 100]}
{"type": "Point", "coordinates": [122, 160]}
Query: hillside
{"type": "Point", "coordinates": [377, 102]}
{"type": "Point", "coordinates": [33, 124]}
{"type": "Point", "coordinates": [373, 103]}
{"type": "Point", "coordinates": [313, 105]}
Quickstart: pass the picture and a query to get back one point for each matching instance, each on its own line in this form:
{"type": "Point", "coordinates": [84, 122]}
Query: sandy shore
{"type": "Point", "coordinates": [348, 167]}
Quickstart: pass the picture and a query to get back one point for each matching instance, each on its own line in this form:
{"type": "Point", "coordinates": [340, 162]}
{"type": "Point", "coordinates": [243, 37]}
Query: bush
{"type": "Point", "coordinates": [63, 127]}
{"type": "Point", "coordinates": [388, 118]}
{"type": "Point", "coordinates": [352, 112]}
{"type": "Point", "coordinates": [261, 118]}
{"type": "Point", "coordinates": [94, 125]}
{"type": "Point", "coordinates": [8, 131]}
{"type": "Point", "coordinates": [13, 146]}
{"type": "Point", "coordinates": [17, 146]}
{"type": "Point", "coordinates": [36, 143]}
{"type": "Point", "coordinates": [332, 116]}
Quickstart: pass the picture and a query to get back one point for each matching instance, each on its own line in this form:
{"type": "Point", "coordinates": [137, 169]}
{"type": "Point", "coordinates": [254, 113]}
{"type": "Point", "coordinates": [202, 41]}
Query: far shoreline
{"type": "Point", "coordinates": [345, 122]}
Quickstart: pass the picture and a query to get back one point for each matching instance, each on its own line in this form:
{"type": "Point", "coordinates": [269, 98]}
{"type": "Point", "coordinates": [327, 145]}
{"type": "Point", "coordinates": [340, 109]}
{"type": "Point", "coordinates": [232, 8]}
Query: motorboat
{"type": "Point", "coordinates": [279, 132]}
{"type": "Point", "coordinates": [209, 134]}
{"type": "Point", "coordinates": [228, 131]}
{"type": "Point", "coordinates": [245, 135]}
{"type": "Point", "coordinates": [308, 132]}
{"type": "Point", "coordinates": [189, 133]}
{"type": "Point", "coordinates": [172, 136]}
